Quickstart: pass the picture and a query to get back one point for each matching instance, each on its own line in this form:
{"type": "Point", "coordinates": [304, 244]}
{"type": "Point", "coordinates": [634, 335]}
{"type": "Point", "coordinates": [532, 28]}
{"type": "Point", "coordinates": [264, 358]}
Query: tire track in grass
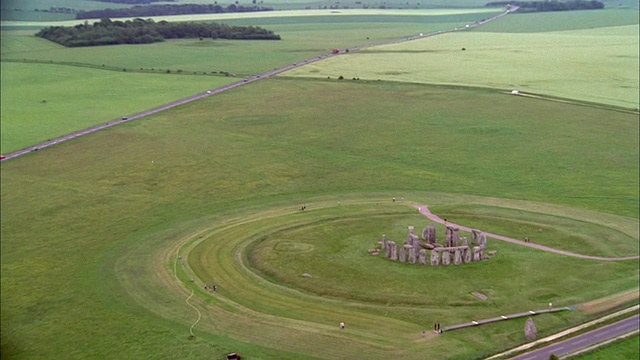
{"type": "Point", "coordinates": [175, 273]}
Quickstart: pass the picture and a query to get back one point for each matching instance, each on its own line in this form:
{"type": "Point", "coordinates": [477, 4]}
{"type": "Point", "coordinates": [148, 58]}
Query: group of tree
{"type": "Point", "coordinates": [139, 31]}
{"type": "Point", "coordinates": [553, 5]}
{"type": "Point", "coordinates": [163, 10]}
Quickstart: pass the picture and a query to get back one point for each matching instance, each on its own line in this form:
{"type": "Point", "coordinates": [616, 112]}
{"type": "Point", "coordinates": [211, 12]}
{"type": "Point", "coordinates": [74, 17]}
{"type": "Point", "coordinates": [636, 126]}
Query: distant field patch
{"type": "Point", "coordinates": [562, 20]}
{"type": "Point", "coordinates": [46, 101]}
{"type": "Point", "coordinates": [269, 14]}
{"type": "Point", "coordinates": [594, 65]}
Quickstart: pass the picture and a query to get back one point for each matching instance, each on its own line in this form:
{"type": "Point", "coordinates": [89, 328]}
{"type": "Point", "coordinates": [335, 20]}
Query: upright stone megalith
{"type": "Point", "coordinates": [383, 243]}
{"type": "Point", "coordinates": [457, 256]}
{"type": "Point", "coordinates": [446, 257]}
{"type": "Point", "coordinates": [403, 253]}
{"type": "Point", "coordinates": [435, 257]}
{"type": "Point", "coordinates": [477, 253]}
{"type": "Point", "coordinates": [466, 254]}
{"type": "Point", "coordinates": [393, 249]}
{"type": "Point", "coordinates": [422, 256]}
{"type": "Point", "coordinates": [452, 236]}
{"type": "Point", "coordinates": [431, 234]}
{"type": "Point", "coordinates": [475, 237]}
{"type": "Point", "coordinates": [530, 330]}
{"type": "Point", "coordinates": [413, 253]}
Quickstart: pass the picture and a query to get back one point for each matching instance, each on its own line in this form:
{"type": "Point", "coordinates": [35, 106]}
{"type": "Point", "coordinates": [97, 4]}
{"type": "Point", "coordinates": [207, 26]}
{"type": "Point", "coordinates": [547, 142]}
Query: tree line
{"type": "Point", "coordinates": [553, 5]}
{"type": "Point", "coordinates": [139, 31]}
{"type": "Point", "coordinates": [163, 10]}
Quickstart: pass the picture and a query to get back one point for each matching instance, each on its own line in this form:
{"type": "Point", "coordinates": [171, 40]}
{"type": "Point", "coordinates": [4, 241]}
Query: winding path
{"type": "Point", "coordinates": [424, 210]}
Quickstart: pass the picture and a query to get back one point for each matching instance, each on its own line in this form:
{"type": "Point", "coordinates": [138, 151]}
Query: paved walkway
{"type": "Point", "coordinates": [424, 210]}
{"type": "Point", "coordinates": [505, 317]}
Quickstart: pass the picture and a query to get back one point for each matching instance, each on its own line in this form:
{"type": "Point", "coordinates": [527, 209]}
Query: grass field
{"type": "Point", "coordinates": [132, 195]}
{"type": "Point", "coordinates": [22, 108]}
{"type": "Point", "coordinates": [107, 240]}
{"type": "Point", "coordinates": [593, 65]}
{"type": "Point", "coordinates": [625, 349]}
{"type": "Point", "coordinates": [43, 101]}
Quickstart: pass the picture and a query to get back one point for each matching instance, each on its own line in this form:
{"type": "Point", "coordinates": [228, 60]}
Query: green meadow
{"type": "Point", "coordinates": [43, 100]}
{"type": "Point", "coordinates": [596, 65]}
{"type": "Point", "coordinates": [108, 239]}
{"type": "Point", "coordinates": [625, 349]}
{"type": "Point", "coordinates": [35, 61]}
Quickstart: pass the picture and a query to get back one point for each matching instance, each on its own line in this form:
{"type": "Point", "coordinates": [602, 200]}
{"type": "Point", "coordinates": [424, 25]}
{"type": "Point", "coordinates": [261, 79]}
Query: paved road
{"type": "Point", "coordinates": [199, 96]}
{"type": "Point", "coordinates": [424, 210]}
{"type": "Point", "coordinates": [581, 341]}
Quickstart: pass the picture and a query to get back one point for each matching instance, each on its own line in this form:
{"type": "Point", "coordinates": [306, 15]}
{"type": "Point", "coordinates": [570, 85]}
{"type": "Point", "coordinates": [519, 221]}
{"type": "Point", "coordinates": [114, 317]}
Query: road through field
{"type": "Point", "coordinates": [574, 344]}
{"type": "Point", "coordinates": [424, 210]}
{"type": "Point", "coordinates": [205, 94]}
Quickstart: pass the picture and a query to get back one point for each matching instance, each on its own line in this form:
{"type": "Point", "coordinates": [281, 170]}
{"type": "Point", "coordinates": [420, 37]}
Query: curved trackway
{"type": "Point", "coordinates": [205, 94]}
{"type": "Point", "coordinates": [424, 210]}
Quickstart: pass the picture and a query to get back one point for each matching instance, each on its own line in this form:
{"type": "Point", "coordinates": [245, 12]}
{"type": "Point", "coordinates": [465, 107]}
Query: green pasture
{"type": "Point", "coordinates": [43, 101]}
{"type": "Point", "coordinates": [598, 66]}
{"type": "Point", "coordinates": [94, 230]}
{"type": "Point", "coordinates": [563, 21]}
{"type": "Point", "coordinates": [148, 64]}
{"type": "Point", "coordinates": [623, 349]}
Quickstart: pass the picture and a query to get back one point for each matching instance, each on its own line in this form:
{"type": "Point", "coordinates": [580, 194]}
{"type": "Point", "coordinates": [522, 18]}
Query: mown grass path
{"type": "Point", "coordinates": [424, 210]}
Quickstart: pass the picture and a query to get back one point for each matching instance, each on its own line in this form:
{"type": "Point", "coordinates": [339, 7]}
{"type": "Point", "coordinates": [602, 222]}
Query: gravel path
{"type": "Point", "coordinates": [424, 210]}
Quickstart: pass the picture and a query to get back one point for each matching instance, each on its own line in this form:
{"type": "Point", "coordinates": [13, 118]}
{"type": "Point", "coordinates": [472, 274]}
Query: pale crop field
{"type": "Point", "coordinates": [593, 65]}
{"type": "Point", "coordinates": [271, 14]}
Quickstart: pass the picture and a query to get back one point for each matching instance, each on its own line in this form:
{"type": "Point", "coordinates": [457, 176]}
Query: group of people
{"type": "Point", "coordinates": [213, 287]}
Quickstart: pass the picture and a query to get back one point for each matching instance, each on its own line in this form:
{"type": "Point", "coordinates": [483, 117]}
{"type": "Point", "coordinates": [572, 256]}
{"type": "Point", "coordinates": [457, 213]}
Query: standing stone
{"type": "Point", "coordinates": [464, 241]}
{"type": "Point", "coordinates": [422, 256]}
{"type": "Point", "coordinates": [482, 241]}
{"type": "Point", "coordinates": [530, 330]}
{"type": "Point", "coordinates": [457, 256]}
{"type": "Point", "coordinates": [393, 250]}
{"type": "Point", "coordinates": [413, 240]}
{"type": "Point", "coordinates": [455, 238]}
{"type": "Point", "coordinates": [446, 257]}
{"type": "Point", "coordinates": [431, 234]}
{"type": "Point", "coordinates": [413, 253]}
{"type": "Point", "coordinates": [410, 230]}
{"type": "Point", "coordinates": [452, 236]}
{"type": "Point", "coordinates": [403, 253]}
{"type": "Point", "coordinates": [475, 236]}
{"type": "Point", "coordinates": [477, 253]}
{"type": "Point", "coordinates": [466, 254]}
{"type": "Point", "coordinates": [448, 236]}
{"type": "Point", "coordinates": [383, 243]}
{"type": "Point", "coordinates": [425, 234]}
{"type": "Point", "coordinates": [435, 257]}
